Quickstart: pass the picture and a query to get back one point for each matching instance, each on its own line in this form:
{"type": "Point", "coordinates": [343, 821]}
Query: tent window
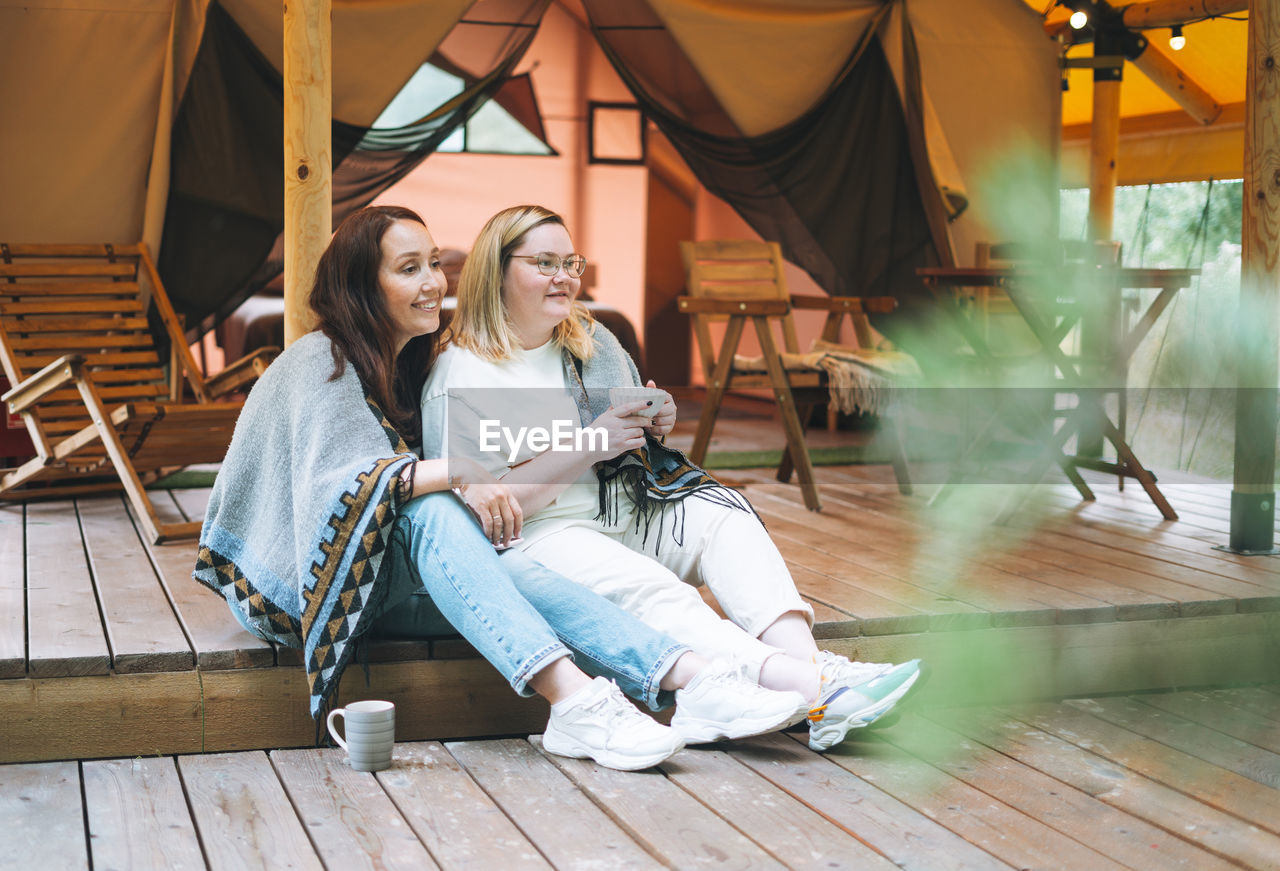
{"type": "Point", "coordinates": [510, 123]}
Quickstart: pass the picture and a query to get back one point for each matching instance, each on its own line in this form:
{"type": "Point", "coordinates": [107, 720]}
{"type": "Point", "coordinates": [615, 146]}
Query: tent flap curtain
{"type": "Point", "coordinates": [225, 213]}
{"type": "Point", "coordinates": [837, 187]}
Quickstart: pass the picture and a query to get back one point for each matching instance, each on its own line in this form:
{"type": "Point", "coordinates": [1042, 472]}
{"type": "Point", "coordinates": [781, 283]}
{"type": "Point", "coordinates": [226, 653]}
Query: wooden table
{"type": "Point", "coordinates": [1052, 302]}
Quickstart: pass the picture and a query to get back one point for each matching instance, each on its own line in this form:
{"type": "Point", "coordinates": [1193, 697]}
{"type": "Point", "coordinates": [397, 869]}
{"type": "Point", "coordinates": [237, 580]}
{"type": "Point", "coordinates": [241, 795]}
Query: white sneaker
{"type": "Point", "coordinates": [598, 722]}
{"type": "Point", "coordinates": [844, 704]}
{"type": "Point", "coordinates": [721, 703]}
{"type": "Point", "coordinates": [834, 667]}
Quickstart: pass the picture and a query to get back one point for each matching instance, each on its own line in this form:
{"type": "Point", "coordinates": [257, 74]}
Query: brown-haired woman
{"type": "Point", "coordinates": [324, 525]}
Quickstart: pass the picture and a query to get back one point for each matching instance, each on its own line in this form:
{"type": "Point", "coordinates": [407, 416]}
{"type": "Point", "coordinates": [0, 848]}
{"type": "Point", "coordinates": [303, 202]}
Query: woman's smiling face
{"type": "Point", "coordinates": [411, 280]}
{"type": "Point", "coordinates": [534, 302]}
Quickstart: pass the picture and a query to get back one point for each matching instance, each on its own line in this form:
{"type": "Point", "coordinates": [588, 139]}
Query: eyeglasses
{"type": "Point", "coordinates": [549, 264]}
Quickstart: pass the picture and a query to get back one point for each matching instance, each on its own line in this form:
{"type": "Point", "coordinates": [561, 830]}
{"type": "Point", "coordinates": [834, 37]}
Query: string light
{"type": "Point", "coordinates": [1176, 39]}
{"type": "Point", "coordinates": [1078, 19]}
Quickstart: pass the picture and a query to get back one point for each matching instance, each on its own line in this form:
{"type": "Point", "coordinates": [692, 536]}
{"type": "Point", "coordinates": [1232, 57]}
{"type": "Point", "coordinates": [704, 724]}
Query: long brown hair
{"type": "Point", "coordinates": [353, 314]}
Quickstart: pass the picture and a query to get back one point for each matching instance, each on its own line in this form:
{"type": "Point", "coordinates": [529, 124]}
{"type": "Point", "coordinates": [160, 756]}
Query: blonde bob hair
{"type": "Point", "coordinates": [481, 324]}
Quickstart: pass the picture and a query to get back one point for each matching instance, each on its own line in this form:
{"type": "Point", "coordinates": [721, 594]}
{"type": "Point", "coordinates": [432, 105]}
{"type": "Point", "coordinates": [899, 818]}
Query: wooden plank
{"type": "Point", "coordinates": [350, 820]}
{"type": "Point", "coordinates": [1016, 553]}
{"type": "Point", "coordinates": [882, 822]}
{"type": "Point", "coordinates": [243, 814]}
{"type": "Point", "coordinates": [1211, 745]}
{"type": "Point", "coordinates": [69, 306]}
{"type": "Point", "coordinates": [43, 816]}
{"type": "Point", "coordinates": [666, 820]}
{"type": "Point", "coordinates": [99, 716]}
{"type": "Point", "coordinates": [785, 828]}
{"type": "Point", "coordinates": [142, 631]}
{"type": "Point", "coordinates": [29, 270]}
{"type": "Point", "coordinates": [268, 707]}
{"type": "Point", "coordinates": [137, 816]}
{"type": "Point", "coordinates": [1178, 814]}
{"type": "Point", "coordinates": [74, 325]}
{"type": "Point", "coordinates": [64, 626]}
{"type": "Point", "coordinates": [1006, 823]}
{"type": "Point", "coordinates": [1252, 700]}
{"type": "Point", "coordinates": [526, 786]}
{"type": "Point", "coordinates": [1014, 601]}
{"type": "Point", "coordinates": [217, 638]}
{"type": "Point", "coordinates": [114, 358]}
{"type": "Point", "coordinates": [1213, 712]}
{"type": "Point", "coordinates": [456, 820]}
{"type": "Point", "coordinates": [1028, 662]}
{"type": "Point", "coordinates": [865, 612]}
{"type": "Point", "coordinates": [68, 288]}
{"type": "Point", "coordinates": [63, 249]}
{"type": "Point", "coordinates": [1204, 781]}
{"type": "Point", "coordinates": [1120, 530]}
{"type": "Point", "coordinates": [13, 612]}
{"type": "Point", "coordinates": [1072, 812]}
{"type": "Point", "coordinates": [855, 582]}
{"type": "Point", "coordinates": [1136, 595]}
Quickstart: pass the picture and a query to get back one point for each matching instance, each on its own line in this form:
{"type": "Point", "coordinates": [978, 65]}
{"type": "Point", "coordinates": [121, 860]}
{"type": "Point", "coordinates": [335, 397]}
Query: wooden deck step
{"type": "Point", "coordinates": [1043, 785]}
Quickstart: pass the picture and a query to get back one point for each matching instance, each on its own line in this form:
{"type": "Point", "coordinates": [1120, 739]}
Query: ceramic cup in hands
{"type": "Point", "coordinates": [619, 396]}
{"type": "Point", "coordinates": [369, 729]}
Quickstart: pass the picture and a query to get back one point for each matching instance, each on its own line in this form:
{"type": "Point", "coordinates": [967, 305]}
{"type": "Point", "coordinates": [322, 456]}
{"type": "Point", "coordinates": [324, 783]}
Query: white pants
{"type": "Point", "coordinates": [654, 579]}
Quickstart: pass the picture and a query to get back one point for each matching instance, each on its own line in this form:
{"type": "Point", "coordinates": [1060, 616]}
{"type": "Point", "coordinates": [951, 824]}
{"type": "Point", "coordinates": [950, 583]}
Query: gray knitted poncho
{"type": "Point", "coordinates": [301, 511]}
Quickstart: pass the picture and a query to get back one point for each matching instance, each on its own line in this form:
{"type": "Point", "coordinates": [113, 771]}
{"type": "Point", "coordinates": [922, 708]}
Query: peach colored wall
{"type": "Point", "coordinates": [604, 206]}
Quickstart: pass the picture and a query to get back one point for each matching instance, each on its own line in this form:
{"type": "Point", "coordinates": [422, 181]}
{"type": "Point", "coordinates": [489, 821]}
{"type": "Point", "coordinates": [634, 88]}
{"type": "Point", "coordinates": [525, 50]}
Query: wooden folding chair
{"type": "Point", "coordinates": [90, 385]}
{"type": "Point", "coordinates": [737, 281]}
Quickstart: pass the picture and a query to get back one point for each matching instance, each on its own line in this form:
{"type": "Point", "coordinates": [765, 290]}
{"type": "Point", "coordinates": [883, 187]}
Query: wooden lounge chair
{"type": "Point", "coordinates": [90, 386]}
{"type": "Point", "coordinates": [736, 281]}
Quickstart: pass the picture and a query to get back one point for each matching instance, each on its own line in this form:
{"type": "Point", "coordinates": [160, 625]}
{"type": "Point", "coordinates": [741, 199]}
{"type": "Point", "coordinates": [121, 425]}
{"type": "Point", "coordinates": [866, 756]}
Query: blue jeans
{"type": "Point", "coordinates": [519, 615]}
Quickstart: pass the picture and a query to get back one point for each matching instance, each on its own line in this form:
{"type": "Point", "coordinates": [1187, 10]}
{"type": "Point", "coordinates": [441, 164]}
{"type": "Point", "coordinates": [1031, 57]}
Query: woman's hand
{"type": "Point", "coordinates": [624, 429]}
{"type": "Point", "coordinates": [665, 420]}
{"type": "Point", "coordinates": [489, 499]}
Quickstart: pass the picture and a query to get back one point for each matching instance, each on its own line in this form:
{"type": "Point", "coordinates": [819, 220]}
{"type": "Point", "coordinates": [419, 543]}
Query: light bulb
{"type": "Point", "coordinates": [1079, 19]}
{"type": "Point", "coordinates": [1176, 39]}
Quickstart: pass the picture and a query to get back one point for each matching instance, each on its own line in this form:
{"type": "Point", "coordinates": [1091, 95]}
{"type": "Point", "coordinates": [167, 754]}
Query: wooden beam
{"type": "Point", "coordinates": [1184, 90]}
{"type": "Point", "coordinates": [308, 154]}
{"type": "Point", "coordinates": [1147, 16]}
{"type": "Point", "coordinates": [1253, 493]}
{"type": "Point", "coordinates": [1157, 123]}
{"type": "Point", "coordinates": [1166, 13]}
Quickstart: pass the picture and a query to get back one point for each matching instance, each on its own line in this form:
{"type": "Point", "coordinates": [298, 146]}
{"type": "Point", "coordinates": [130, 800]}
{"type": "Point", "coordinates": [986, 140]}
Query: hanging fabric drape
{"type": "Point", "coordinates": [225, 211]}
{"type": "Point", "coordinates": [837, 186]}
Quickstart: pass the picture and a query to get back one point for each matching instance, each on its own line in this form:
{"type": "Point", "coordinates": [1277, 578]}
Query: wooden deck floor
{"type": "Point", "coordinates": [1187, 780]}
{"type": "Point", "coordinates": [108, 648]}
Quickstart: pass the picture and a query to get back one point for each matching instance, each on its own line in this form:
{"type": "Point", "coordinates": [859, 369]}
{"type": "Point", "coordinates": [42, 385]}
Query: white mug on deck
{"type": "Point", "coordinates": [369, 731]}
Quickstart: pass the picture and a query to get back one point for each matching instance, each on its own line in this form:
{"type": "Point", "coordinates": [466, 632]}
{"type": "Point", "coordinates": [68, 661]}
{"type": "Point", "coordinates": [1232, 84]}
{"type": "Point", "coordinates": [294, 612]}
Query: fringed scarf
{"type": "Point", "coordinates": [655, 479]}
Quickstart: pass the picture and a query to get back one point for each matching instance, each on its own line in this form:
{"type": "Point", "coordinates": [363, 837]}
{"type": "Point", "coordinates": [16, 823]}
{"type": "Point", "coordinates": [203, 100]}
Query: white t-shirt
{"type": "Point", "coordinates": [498, 415]}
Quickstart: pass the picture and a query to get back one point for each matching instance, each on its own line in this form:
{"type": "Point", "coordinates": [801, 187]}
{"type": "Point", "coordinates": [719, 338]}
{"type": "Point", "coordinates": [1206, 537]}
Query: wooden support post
{"type": "Point", "coordinates": [1104, 146]}
{"type": "Point", "coordinates": [1253, 495]}
{"type": "Point", "coordinates": [308, 154]}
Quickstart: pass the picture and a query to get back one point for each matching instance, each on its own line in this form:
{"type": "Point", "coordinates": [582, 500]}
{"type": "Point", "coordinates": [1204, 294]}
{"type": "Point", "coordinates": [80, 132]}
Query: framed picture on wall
{"type": "Point", "coordinates": [615, 134]}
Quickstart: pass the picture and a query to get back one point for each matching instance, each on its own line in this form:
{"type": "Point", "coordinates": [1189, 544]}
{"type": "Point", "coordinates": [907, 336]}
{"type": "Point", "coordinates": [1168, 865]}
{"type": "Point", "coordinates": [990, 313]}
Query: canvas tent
{"type": "Point", "coordinates": [161, 120]}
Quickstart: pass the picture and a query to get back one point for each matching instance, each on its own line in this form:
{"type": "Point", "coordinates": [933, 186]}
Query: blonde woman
{"type": "Point", "coordinates": [324, 525]}
{"type": "Point", "coordinates": [523, 389]}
